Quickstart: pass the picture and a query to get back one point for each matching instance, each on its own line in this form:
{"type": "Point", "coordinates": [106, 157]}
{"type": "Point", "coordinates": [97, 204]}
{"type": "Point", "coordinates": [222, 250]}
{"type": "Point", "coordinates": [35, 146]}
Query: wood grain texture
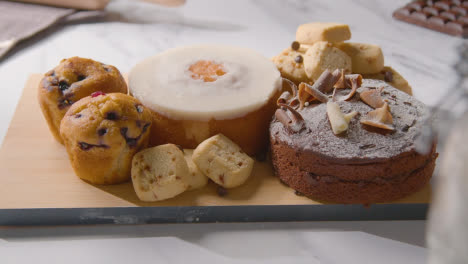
{"type": "Point", "coordinates": [35, 173]}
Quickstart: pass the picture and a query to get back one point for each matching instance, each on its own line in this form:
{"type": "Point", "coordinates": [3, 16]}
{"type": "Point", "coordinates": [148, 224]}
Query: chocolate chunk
{"type": "Point", "coordinates": [295, 45]}
{"type": "Point", "coordinates": [81, 77]}
{"type": "Point", "coordinates": [102, 131]}
{"type": "Point", "coordinates": [112, 116]}
{"type": "Point", "coordinates": [299, 59]}
{"type": "Point", "coordinates": [63, 85]}
{"type": "Point", "coordinates": [388, 76]}
{"type": "Point", "coordinates": [77, 115]}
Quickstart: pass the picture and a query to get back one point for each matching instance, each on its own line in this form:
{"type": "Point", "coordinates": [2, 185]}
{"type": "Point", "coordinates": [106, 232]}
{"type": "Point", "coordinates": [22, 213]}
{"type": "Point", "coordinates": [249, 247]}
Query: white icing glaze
{"type": "Point", "coordinates": [164, 83]}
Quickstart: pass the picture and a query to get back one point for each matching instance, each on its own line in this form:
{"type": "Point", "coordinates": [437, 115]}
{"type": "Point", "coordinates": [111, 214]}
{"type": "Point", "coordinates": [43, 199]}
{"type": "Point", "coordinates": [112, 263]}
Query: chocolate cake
{"type": "Point", "coordinates": [369, 162]}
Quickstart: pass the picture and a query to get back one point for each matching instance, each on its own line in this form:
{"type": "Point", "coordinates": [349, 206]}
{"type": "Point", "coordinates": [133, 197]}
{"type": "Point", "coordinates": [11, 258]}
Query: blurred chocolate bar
{"type": "Point", "coordinates": [446, 16]}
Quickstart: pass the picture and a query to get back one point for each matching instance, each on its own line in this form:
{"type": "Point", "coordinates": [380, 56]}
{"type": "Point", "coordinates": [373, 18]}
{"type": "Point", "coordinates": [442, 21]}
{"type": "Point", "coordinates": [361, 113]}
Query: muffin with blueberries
{"type": "Point", "coordinates": [102, 132]}
{"type": "Point", "coordinates": [71, 80]}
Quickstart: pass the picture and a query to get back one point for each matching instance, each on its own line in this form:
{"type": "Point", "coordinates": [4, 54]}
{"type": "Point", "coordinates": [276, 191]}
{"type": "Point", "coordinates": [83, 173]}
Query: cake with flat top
{"type": "Point", "coordinates": [199, 91]}
{"type": "Point", "coordinates": [355, 146]}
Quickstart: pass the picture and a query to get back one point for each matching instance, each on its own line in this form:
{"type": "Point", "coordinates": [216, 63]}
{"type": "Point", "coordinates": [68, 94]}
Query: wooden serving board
{"type": "Point", "coordinates": [35, 173]}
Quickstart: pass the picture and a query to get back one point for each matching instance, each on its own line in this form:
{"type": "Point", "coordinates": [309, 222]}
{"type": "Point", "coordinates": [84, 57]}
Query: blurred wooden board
{"type": "Point", "coordinates": [35, 173]}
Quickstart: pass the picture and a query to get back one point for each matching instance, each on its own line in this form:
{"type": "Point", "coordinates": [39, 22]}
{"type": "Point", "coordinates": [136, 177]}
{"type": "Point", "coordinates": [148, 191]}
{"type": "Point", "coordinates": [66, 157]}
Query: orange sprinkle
{"type": "Point", "coordinates": [206, 70]}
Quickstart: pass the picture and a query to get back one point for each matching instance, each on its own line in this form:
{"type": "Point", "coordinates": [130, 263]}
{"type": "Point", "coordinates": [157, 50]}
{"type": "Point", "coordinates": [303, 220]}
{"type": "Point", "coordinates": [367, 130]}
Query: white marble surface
{"type": "Point", "coordinates": [134, 30]}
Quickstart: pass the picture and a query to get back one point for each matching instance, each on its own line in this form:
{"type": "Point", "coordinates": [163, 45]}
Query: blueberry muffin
{"type": "Point", "coordinates": [71, 80]}
{"type": "Point", "coordinates": [102, 132]}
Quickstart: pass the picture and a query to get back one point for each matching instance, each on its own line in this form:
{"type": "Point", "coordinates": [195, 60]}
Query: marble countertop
{"type": "Point", "coordinates": [132, 31]}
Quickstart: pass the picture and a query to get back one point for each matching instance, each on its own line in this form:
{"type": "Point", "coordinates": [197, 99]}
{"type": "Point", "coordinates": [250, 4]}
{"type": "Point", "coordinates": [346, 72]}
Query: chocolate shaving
{"type": "Point", "coordinates": [348, 80]}
{"type": "Point", "coordinates": [293, 122]}
{"type": "Point", "coordinates": [296, 117]}
{"type": "Point", "coordinates": [380, 118]}
{"type": "Point", "coordinates": [288, 84]}
{"type": "Point", "coordinates": [327, 80]}
{"type": "Point", "coordinates": [372, 97]}
{"type": "Point", "coordinates": [355, 81]}
{"type": "Point", "coordinates": [303, 96]}
{"type": "Point", "coordinates": [283, 117]}
{"type": "Point", "coordinates": [283, 99]}
{"type": "Point", "coordinates": [294, 102]}
{"type": "Point", "coordinates": [310, 89]}
{"type": "Point", "coordinates": [341, 83]}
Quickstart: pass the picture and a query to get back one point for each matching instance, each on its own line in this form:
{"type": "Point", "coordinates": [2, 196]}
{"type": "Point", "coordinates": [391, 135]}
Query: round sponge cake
{"type": "Point", "coordinates": [199, 91]}
{"type": "Point", "coordinates": [364, 164]}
